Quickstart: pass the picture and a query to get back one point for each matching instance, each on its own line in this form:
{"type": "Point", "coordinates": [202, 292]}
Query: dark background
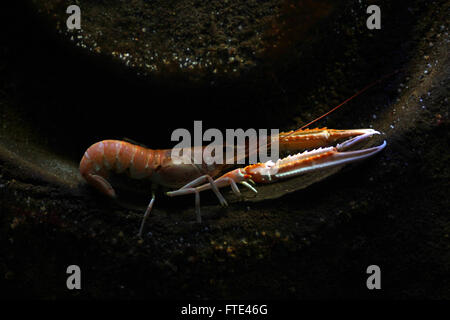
{"type": "Point", "coordinates": [392, 211]}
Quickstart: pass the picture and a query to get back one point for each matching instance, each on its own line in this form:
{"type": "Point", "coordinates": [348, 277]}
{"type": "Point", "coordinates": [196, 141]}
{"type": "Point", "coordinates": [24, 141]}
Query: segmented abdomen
{"type": "Point", "coordinates": [120, 157]}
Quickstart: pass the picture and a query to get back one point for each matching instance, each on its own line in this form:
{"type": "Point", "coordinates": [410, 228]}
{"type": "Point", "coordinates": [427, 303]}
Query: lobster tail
{"type": "Point", "coordinates": [116, 156]}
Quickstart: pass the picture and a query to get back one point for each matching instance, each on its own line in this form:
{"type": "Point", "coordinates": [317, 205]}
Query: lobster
{"type": "Point", "coordinates": [297, 169]}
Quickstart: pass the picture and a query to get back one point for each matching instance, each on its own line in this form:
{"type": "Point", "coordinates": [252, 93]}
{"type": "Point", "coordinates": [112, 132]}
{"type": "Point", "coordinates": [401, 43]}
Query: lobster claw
{"type": "Point", "coordinates": [298, 164]}
{"type": "Point", "coordinates": [314, 160]}
{"type": "Point", "coordinates": [309, 139]}
{"type": "Point", "coordinates": [351, 156]}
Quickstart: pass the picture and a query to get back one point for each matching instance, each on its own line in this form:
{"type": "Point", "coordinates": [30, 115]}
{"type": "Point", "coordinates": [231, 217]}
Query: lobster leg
{"type": "Point", "coordinates": [201, 180]}
{"type": "Point", "coordinates": [146, 214]}
{"type": "Point", "coordinates": [189, 189]}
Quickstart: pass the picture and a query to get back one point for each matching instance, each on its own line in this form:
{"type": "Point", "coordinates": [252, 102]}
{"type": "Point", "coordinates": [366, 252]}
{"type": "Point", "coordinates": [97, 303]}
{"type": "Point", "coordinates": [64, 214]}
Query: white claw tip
{"type": "Point", "coordinates": [249, 186]}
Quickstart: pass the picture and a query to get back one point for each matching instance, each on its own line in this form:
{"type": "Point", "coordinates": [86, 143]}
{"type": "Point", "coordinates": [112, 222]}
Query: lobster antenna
{"type": "Point", "coordinates": [351, 98]}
